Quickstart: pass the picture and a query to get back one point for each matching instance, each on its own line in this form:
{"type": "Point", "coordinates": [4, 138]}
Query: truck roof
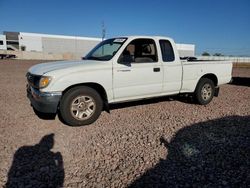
{"type": "Point", "coordinates": [145, 36]}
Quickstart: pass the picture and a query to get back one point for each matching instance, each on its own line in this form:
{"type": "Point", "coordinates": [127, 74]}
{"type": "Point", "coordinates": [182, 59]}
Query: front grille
{"type": "Point", "coordinates": [33, 80]}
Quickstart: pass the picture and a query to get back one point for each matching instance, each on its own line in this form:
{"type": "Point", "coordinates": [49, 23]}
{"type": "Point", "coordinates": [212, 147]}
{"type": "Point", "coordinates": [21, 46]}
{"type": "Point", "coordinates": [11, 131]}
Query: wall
{"type": "Point", "coordinates": [69, 47]}
{"type": "Point", "coordinates": [233, 59]}
{"type": "Point", "coordinates": [77, 47]}
{"type": "Point", "coordinates": [31, 43]}
{"type": "Point", "coordinates": [35, 55]}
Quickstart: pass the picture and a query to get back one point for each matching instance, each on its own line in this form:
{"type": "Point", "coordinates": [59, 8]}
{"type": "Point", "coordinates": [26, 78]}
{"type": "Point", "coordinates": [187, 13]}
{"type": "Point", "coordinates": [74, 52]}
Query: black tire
{"type": "Point", "coordinates": [67, 113]}
{"type": "Point", "coordinates": [204, 97]}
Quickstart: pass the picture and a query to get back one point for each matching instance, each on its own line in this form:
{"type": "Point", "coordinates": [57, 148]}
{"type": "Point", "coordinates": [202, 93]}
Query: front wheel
{"type": "Point", "coordinates": [204, 92]}
{"type": "Point", "coordinates": [80, 106]}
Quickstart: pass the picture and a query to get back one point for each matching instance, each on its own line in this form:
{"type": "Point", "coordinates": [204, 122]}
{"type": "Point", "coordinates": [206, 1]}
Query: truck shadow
{"type": "Point", "coordinates": [37, 166]}
{"type": "Point", "coordinates": [215, 153]}
{"type": "Point", "coordinates": [241, 81]}
{"type": "Point", "coordinates": [45, 116]}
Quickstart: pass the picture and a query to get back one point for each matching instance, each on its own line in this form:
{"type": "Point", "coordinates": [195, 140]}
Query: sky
{"type": "Point", "coordinates": [215, 26]}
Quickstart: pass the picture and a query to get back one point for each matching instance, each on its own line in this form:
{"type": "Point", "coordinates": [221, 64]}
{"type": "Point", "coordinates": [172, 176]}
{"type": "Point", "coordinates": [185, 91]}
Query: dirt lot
{"type": "Point", "coordinates": [167, 141]}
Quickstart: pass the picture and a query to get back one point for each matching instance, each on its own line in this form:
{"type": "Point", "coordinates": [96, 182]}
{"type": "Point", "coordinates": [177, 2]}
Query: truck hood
{"type": "Point", "coordinates": [43, 68]}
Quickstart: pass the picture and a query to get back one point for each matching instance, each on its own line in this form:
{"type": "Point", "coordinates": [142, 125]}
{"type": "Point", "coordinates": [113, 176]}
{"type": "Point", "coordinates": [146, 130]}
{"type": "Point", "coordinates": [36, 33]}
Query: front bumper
{"type": "Point", "coordinates": [46, 102]}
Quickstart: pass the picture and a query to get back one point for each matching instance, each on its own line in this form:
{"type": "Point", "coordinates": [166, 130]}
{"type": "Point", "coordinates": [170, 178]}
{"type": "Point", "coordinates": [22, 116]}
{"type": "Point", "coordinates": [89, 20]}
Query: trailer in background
{"type": "Point", "coordinates": [3, 45]}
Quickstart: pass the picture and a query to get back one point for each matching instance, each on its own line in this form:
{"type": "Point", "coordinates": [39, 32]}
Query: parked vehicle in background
{"type": "Point", "coordinates": [7, 56]}
{"type": "Point", "coordinates": [121, 69]}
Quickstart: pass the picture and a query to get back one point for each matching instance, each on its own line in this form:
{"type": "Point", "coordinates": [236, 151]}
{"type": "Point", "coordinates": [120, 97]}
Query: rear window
{"type": "Point", "coordinates": [167, 51]}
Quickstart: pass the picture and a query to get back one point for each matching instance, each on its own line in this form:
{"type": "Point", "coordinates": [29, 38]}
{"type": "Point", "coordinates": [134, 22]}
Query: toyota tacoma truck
{"type": "Point", "coordinates": [117, 70]}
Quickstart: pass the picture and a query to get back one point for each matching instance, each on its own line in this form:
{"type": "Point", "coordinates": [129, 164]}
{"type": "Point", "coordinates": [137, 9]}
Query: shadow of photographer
{"type": "Point", "coordinates": [215, 153]}
{"type": "Point", "coordinates": [37, 166]}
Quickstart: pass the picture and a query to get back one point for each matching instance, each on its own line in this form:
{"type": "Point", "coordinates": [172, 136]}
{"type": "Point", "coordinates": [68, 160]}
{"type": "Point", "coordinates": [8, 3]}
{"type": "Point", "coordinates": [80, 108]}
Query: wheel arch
{"type": "Point", "coordinates": [99, 88]}
{"type": "Point", "coordinates": [200, 84]}
{"type": "Point", "coordinates": [210, 76]}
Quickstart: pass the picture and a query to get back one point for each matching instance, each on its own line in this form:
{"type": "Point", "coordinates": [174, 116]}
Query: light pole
{"type": "Point", "coordinates": [103, 30]}
{"type": "Point", "coordinates": [103, 35]}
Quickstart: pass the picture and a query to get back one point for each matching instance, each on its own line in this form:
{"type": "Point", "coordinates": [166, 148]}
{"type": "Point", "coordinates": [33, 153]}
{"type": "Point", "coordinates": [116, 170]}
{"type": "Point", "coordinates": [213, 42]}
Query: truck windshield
{"type": "Point", "coordinates": [106, 49]}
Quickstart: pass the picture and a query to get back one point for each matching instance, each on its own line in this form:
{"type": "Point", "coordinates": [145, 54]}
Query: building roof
{"type": "Point", "coordinates": [58, 36]}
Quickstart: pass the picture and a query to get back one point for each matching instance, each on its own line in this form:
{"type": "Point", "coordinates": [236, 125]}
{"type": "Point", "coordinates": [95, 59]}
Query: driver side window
{"type": "Point", "coordinates": [139, 51]}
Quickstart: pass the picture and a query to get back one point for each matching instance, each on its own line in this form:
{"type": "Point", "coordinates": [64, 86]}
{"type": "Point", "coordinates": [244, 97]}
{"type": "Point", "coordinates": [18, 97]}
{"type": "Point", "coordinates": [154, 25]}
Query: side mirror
{"type": "Point", "coordinates": [83, 58]}
{"type": "Point", "coordinates": [128, 64]}
{"type": "Point", "coordinates": [125, 60]}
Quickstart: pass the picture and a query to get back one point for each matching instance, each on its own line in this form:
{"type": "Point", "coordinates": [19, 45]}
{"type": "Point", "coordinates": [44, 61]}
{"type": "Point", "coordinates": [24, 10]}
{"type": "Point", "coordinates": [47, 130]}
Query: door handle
{"type": "Point", "coordinates": [124, 70]}
{"type": "Point", "coordinates": [157, 69]}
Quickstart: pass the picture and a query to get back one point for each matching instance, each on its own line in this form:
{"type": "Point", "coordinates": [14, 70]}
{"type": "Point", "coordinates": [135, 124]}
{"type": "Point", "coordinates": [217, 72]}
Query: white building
{"type": "Point", "coordinates": [69, 47]}
{"type": "Point", "coordinates": [73, 47]}
{"type": "Point", "coordinates": [79, 46]}
{"type": "Point", "coordinates": [186, 50]}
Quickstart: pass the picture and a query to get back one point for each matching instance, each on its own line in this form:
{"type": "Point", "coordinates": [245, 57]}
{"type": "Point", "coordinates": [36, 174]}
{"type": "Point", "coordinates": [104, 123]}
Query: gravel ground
{"type": "Point", "coordinates": [161, 142]}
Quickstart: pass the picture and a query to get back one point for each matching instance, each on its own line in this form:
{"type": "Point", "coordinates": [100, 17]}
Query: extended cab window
{"type": "Point", "coordinates": [167, 51]}
{"type": "Point", "coordinates": [139, 51]}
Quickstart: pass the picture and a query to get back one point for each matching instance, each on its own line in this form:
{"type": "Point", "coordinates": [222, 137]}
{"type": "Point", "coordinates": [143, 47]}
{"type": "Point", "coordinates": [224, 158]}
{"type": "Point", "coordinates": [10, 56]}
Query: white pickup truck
{"type": "Point", "coordinates": [121, 69]}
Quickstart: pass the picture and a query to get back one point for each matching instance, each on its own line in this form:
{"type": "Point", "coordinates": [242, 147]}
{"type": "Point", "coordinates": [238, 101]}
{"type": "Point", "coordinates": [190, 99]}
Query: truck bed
{"type": "Point", "coordinates": [194, 70]}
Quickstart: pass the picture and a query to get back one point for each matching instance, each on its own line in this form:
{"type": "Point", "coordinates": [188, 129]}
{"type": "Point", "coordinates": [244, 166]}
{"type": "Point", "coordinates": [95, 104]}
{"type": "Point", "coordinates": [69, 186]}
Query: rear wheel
{"type": "Point", "coordinates": [204, 92]}
{"type": "Point", "coordinates": [80, 106]}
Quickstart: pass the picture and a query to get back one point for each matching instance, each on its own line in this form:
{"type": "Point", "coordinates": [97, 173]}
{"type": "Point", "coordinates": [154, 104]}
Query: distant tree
{"type": "Point", "coordinates": [218, 54]}
{"type": "Point", "coordinates": [205, 54]}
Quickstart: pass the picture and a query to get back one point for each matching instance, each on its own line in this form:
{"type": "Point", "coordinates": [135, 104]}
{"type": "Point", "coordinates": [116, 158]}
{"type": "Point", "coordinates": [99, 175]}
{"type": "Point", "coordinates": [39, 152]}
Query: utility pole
{"type": "Point", "coordinates": [103, 31]}
{"type": "Point", "coordinates": [103, 35]}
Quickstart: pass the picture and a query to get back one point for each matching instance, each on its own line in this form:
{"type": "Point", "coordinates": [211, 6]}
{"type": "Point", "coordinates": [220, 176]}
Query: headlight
{"type": "Point", "coordinates": [44, 81]}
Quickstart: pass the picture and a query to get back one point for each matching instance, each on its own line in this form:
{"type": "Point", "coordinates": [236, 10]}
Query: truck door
{"type": "Point", "coordinates": [172, 68]}
{"type": "Point", "coordinates": [138, 72]}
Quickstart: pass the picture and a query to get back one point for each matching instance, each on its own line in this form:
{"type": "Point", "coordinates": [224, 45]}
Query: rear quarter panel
{"type": "Point", "coordinates": [193, 71]}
